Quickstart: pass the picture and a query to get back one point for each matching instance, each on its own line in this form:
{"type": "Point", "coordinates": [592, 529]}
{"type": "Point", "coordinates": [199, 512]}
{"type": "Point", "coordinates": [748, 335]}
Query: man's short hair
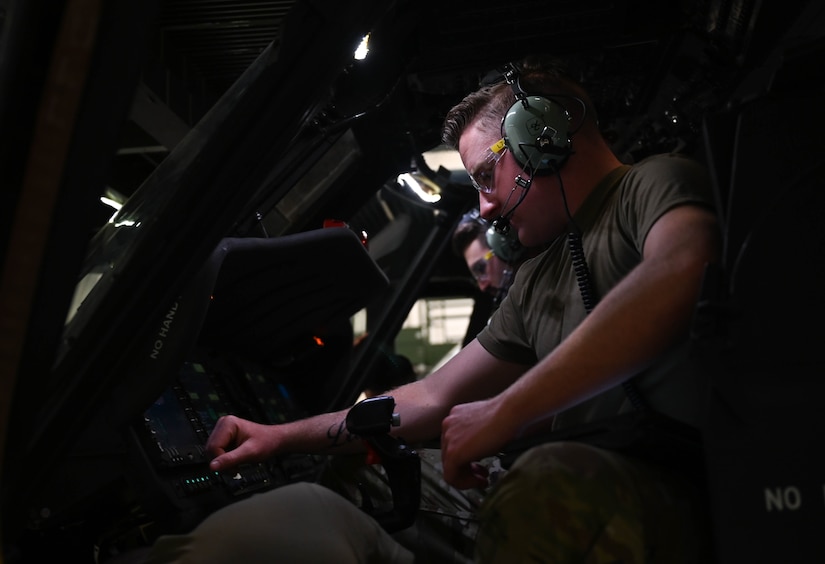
{"type": "Point", "coordinates": [539, 75]}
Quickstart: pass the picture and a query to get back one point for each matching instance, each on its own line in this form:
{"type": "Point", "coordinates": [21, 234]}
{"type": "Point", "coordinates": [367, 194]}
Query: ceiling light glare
{"type": "Point", "coordinates": [363, 48]}
{"type": "Point", "coordinates": [111, 203]}
{"type": "Point", "coordinates": [425, 189]}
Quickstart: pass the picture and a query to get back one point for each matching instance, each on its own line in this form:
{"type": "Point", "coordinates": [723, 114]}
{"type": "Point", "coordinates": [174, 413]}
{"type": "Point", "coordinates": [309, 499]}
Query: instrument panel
{"type": "Point", "coordinates": [170, 441]}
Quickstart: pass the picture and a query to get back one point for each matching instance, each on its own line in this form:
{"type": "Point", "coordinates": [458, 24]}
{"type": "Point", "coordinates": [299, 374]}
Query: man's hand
{"type": "Point", "coordinates": [236, 441]}
{"type": "Point", "coordinates": [469, 433]}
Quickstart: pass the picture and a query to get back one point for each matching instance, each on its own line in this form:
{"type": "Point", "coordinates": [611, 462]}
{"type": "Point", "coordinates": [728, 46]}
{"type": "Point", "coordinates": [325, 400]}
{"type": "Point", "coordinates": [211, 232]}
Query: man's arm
{"type": "Point", "coordinates": [636, 322]}
{"type": "Point", "coordinates": [470, 375]}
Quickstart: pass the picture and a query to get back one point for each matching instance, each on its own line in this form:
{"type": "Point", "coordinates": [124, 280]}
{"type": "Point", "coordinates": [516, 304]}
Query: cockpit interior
{"type": "Point", "coordinates": [215, 207]}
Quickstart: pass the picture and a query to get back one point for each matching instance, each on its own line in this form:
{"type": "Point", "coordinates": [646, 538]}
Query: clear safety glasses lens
{"type": "Point", "coordinates": [482, 178]}
{"type": "Point", "coordinates": [479, 267]}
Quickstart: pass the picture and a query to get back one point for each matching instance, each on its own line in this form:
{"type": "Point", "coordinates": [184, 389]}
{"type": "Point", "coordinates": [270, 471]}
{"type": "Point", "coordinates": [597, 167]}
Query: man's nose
{"type": "Point", "coordinates": [483, 284]}
{"type": "Point", "coordinates": [488, 206]}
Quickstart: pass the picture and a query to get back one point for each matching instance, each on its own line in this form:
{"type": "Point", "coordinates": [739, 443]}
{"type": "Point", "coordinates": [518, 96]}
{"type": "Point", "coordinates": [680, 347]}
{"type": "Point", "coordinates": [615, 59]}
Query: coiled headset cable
{"type": "Point", "coordinates": [585, 283]}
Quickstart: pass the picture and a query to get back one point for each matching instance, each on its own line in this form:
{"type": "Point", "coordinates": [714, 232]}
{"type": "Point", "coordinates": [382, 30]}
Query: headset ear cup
{"type": "Point", "coordinates": [537, 132]}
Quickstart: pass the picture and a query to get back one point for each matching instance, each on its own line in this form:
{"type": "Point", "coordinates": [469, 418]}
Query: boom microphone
{"type": "Point", "coordinates": [500, 235]}
{"type": "Point", "coordinates": [504, 241]}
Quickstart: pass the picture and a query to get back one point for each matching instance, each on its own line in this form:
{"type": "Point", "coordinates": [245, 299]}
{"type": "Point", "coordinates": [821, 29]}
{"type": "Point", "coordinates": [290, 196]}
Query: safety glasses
{"type": "Point", "coordinates": [483, 177]}
{"type": "Point", "coordinates": [479, 267]}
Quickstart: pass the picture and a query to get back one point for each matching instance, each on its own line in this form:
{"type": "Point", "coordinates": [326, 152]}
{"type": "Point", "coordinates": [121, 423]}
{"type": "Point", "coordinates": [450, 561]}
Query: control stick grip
{"type": "Point", "coordinates": [372, 419]}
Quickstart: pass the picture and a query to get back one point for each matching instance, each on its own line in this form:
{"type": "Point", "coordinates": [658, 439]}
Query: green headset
{"type": "Point", "coordinates": [537, 129]}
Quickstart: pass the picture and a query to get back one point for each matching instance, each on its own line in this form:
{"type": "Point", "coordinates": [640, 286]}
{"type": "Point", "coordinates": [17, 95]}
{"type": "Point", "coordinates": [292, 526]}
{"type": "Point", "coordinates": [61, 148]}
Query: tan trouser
{"type": "Point", "coordinates": [299, 523]}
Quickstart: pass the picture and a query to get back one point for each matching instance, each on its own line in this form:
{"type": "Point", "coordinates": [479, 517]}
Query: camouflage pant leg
{"type": "Point", "coordinates": [446, 526]}
{"type": "Point", "coordinates": [569, 502]}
